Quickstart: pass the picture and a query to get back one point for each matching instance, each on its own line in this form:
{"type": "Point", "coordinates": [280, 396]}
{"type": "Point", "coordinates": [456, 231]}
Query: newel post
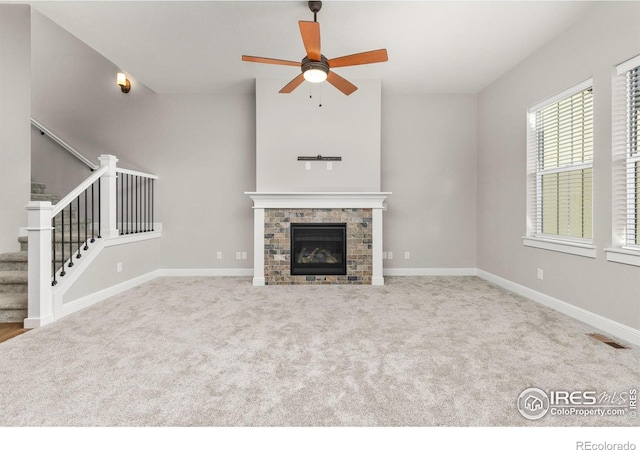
{"type": "Point", "coordinates": [108, 223]}
{"type": "Point", "coordinates": [40, 307]}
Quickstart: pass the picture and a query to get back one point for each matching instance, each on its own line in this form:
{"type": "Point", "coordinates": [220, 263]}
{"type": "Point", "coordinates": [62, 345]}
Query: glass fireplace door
{"type": "Point", "coordinates": [318, 249]}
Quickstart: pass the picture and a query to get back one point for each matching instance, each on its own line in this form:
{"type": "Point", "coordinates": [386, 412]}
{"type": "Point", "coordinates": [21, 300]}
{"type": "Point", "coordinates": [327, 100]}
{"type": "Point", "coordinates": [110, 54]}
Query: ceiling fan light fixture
{"type": "Point", "coordinates": [315, 75]}
{"type": "Point", "coordinates": [315, 71]}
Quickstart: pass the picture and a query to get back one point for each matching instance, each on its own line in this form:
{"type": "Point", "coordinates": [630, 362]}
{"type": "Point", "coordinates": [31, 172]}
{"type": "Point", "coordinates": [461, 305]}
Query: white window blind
{"type": "Point", "coordinates": [626, 129]}
{"type": "Point", "coordinates": [560, 159]}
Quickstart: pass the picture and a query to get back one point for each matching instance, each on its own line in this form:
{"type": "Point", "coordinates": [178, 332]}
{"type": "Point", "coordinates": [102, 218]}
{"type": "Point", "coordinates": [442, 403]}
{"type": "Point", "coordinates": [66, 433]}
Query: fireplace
{"type": "Point", "coordinates": [356, 214]}
{"type": "Point", "coordinates": [318, 249]}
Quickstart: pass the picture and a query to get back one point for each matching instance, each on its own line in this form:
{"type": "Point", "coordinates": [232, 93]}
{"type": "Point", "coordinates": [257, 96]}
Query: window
{"type": "Point", "coordinates": [560, 168]}
{"type": "Point", "coordinates": [626, 163]}
{"type": "Point", "coordinates": [632, 175]}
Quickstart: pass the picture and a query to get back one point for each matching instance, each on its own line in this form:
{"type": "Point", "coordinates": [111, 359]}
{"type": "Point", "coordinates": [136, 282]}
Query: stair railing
{"type": "Point", "coordinates": [82, 197]}
{"type": "Point", "coordinates": [113, 196]}
{"type": "Point", "coordinates": [45, 131]}
{"type": "Point", "coordinates": [134, 201]}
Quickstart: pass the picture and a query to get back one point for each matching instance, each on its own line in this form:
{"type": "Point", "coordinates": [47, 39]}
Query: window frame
{"type": "Point", "coordinates": [623, 162]}
{"type": "Point", "coordinates": [579, 246]}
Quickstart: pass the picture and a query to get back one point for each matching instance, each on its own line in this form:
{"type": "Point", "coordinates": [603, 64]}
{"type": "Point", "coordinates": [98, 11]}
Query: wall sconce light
{"type": "Point", "coordinates": [125, 85]}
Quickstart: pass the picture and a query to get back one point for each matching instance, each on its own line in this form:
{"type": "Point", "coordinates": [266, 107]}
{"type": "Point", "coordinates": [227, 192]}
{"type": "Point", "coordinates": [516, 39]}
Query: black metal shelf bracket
{"type": "Point", "coordinates": [319, 158]}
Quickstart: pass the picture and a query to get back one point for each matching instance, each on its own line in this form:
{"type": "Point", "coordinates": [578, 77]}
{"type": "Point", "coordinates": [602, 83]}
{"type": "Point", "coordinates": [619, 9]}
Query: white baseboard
{"type": "Point", "coordinates": [417, 272]}
{"type": "Point", "coordinates": [37, 323]}
{"type": "Point", "coordinates": [96, 297]}
{"type": "Point", "coordinates": [609, 326]}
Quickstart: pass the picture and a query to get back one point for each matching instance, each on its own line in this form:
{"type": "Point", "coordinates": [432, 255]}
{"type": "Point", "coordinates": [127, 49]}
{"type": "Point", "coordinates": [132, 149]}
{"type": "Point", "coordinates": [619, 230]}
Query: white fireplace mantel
{"type": "Point", "coordinates": [366, 200]}
{"type": "Point", "coordinates": [373, 200]}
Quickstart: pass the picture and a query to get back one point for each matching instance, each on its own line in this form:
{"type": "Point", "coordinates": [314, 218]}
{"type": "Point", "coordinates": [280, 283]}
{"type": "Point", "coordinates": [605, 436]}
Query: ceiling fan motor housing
{"type": "Point", "coordinates": [308, 64]}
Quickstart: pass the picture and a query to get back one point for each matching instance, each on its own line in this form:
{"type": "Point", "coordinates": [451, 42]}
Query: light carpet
{"type": "Point", "coordinates": [419, 351]}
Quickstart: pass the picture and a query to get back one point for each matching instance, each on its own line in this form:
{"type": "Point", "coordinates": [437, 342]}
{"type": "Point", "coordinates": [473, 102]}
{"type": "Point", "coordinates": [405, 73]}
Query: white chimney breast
{"type": "Point", "coordinates": [292, 125]}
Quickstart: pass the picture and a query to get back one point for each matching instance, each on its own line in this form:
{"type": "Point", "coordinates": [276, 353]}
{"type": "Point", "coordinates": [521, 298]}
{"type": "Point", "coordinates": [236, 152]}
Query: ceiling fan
{"type": "Point", "coordinates": [315, 67]}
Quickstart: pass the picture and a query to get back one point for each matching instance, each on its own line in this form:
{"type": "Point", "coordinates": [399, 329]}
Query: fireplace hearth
{"type": "Point", "coordinates": [318, 249]}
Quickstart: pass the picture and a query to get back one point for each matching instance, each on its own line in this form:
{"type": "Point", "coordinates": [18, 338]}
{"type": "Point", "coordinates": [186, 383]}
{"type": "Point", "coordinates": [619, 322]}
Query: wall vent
{"type": "Point", "coordinates": [608, 341]}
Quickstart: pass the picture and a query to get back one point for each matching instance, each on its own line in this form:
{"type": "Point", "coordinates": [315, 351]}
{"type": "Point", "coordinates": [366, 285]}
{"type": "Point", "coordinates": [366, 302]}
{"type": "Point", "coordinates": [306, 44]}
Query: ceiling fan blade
{"type": "Point", "coordinates": [344, 86]}
{"type": "Point", "coordinates": [310, 32]}
{"type": "Point", "coordinates": [297, 81]}
{"type": "Point", "coordinates": [374, 56]}
{"type": "Point", "coordinates": [258, 59]}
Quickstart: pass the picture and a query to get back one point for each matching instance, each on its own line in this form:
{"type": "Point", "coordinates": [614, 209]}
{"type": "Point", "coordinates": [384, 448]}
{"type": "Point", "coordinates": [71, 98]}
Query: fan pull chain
{"type": "Point", "coordinates": [319, 95]}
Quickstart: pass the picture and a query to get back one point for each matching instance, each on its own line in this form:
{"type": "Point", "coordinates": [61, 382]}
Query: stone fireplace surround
{"type": "Point", "coordinates": [274, 211]}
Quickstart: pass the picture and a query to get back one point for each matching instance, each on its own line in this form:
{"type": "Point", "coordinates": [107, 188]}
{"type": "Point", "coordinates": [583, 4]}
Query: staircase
{"type": "Point", "coordinates": [13, 268]}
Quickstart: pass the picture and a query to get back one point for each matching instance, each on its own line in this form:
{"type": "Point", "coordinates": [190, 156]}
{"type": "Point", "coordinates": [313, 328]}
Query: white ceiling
{"type": "Point", "coordinates": [433, 46]}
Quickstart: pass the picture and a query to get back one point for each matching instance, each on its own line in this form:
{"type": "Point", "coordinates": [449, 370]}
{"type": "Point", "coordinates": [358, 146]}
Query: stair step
{"type": "Point", "coordinates": [13, 301]}
{"type": "Point", "coordinates": [13, 256]}
{"type": "Point", "coordinates": [13, 261]}
{"type": "Point", "coordinates": [38, 188]}
{"type": "Point", "coordinates": [13, 281]}
{"type": "Point", "coordinates": [45, 198]}
{"type": "Point", "coordinates": [13, 307]}
{"type": "Point", "coordinates": [17, 261]}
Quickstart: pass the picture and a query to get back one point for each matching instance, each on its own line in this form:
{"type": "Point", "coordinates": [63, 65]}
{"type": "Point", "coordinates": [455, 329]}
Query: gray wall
{"type": "Point", "coordinates": [74, 94]}
{"type": "Point", "coordinates": [292, 125]}
{"type": "Point", "coordinates": [52, 165]}
{"type": "Point", "coordinates": [138, 258]}
{"type": "Point", "coordinates": [608, 35]}
{"type": "Point", "coordinates": [206, 160]}
{"type": "Point", "coordinates": [15, 100]}
{"type": "Point", "coordinates": [201, 146]}
{"type": "Point", "coordinates": [429, 165]}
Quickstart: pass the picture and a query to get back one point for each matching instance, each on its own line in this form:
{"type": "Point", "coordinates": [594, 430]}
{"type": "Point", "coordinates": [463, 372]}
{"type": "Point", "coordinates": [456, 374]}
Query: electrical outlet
{"type": "Point", "coordinates": [384, 255]}
{"type": "Point", "coordinates": [329, 165]}
{"type": "Point", "coordinates": [390, 255]}
{"type": "Point", "coordinates": [219, 255]}
{"type": "Point", "coordinates": [407, 255]}
{"type": "Point", "coordinates": [307, 165]}
{"type": "Point", "coordinates": [244, 255]}
{"type": "Point", "coordinates": [238, 255]}
{"type": "Point", "coordinates": [540, 274]}
{"type": "Point", "coordinates": [119, 267]}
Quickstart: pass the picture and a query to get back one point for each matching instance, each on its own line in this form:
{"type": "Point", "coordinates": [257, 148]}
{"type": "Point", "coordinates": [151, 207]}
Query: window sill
{"type": "Point", "coordinates": [573, 248]}
{"type": "Point", "coordinates": [623, 256]}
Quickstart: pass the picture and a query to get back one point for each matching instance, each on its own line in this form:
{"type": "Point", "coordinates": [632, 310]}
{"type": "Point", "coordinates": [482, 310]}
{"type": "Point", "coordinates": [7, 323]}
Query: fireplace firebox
{"type": "Point", "coordinates": [318, 249]}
